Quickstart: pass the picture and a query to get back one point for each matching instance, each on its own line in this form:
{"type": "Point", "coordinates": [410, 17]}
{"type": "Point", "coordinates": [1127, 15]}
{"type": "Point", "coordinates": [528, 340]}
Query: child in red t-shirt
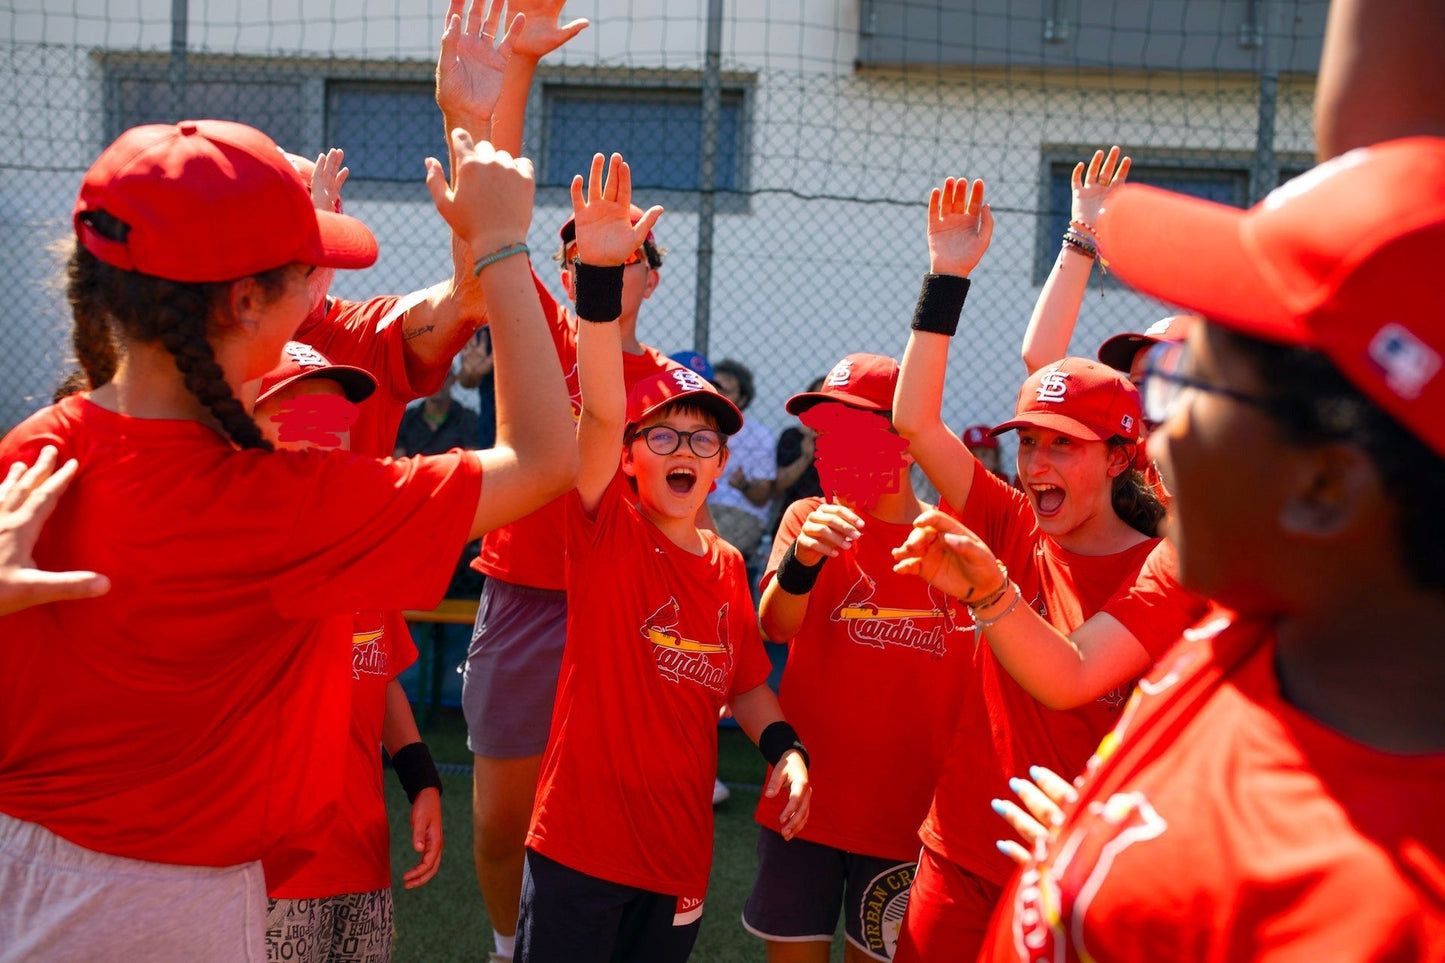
{"type": "Point", "coordinates": [1079, 531]}
{"type": "Point", "coordinates": [338, 904]}
{"type": "Point", "coordinates": [156, 743]}
{"type": "Point", "coordinates": [1273, 789]}
{"type": "Point", "coordinates": [872, 654]}
{"type": "Point", "coordinates": [661, 635]}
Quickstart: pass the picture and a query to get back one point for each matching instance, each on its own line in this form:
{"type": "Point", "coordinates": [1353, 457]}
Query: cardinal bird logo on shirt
{"type": "Point", "coordinates": [1052, 899]}
{"type": "Point", "coordinates": [869, 623]}
{"type": "Point", "coordinates": [708, 664]}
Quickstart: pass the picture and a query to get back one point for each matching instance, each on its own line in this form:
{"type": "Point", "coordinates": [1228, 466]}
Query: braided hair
{"type": "Point", "coordinates": [112, 305]}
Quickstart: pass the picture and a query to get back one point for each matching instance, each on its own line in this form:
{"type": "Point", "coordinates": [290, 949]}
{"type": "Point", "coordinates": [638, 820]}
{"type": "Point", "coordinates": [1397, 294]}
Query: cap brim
{"type": "Point", "coordinates": [729, 418]}
{"type": "Point", "coordinates": [356, 383]}
{"type": "Point", "coordinates": [1195, 254]}
{"type": "Point", "coordinates": [345, 242]}
{"type": "Point", "coordinates": [1120, 351]}
{"type": "Point", "coordinates": [1051, 421]}
{"type": "Point", "coordinates": [801, 402]}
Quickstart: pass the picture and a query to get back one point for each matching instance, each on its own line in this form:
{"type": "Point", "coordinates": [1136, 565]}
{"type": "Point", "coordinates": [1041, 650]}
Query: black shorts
{"type": "Point", "coordinates": [571, 917]}
{"type": "Point", "coordinates": [802, 886]}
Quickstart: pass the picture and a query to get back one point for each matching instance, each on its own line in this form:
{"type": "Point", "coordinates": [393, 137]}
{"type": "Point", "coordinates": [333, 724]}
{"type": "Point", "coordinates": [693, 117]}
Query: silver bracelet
{"type": "Point", "coordinates": [985, 623]}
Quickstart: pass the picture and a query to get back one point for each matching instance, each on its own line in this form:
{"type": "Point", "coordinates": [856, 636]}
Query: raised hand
{"type": "Point", "coordinates": [542, 34]}
{"type": "Point", "coordinates": [944, 553]}
{"type": "Point", "coordinates": [471, 63]}
{"type": "Point", "coordinates": [960, 225]}
{"type": "Point", "coordinates": [491, 205]}
{"type": "Point", "coordinates": [606, 236]}
{"type": "Point", "coordinates": [327, 179]}
{"type": "Point", "coordinates": [27, 497]}
{"type": "Point", "coordinates": [1093, 185]}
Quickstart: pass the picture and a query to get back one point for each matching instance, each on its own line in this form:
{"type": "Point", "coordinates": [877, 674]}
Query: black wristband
{"type": "Point", "coordinates": [599, 291]}
{"type": "Point", "coordinates": [415, 770]}
{"type": "Point", "coordinates": [793, 576]}
{"type": "Point", "coordinates": [940, 303]}
{"type": "Point", "coordinates": [777, 739]}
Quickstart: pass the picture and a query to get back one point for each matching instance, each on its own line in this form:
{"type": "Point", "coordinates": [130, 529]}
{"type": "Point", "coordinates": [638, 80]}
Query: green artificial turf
{"type": "Point", "coordinates": [444, 921]}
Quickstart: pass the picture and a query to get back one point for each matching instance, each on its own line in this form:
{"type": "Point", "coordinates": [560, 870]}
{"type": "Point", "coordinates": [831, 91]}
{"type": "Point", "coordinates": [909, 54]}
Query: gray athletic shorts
{"type": "Point", "coordinates": [510, 679]}
{"type": "Point", "coordinates": [351, 928]}
{"type": "Point", "coordinates": [62, 903]}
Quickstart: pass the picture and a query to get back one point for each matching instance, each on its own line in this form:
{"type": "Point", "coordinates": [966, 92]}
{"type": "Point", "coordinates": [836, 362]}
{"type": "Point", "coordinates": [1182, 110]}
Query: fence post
{"type": "Point", "coordinates": [1264, 170]}
{"type": "Point", "coordinates": [707, 175]}
{"type": "Point", "coordinates": [176, 71]}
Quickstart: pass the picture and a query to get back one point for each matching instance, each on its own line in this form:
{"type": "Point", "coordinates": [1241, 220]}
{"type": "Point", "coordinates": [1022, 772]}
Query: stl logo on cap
{"type": "Point", "coordinates": [1407, 363]}
{"type": "Point", "coordinates": [305, 355]}
{"type": "Point", "coordinates": [688, 380]}
{"type": "Point", "coordinates": [841, 374]}
{"type": "Point", "coordinates": [1053, 387]}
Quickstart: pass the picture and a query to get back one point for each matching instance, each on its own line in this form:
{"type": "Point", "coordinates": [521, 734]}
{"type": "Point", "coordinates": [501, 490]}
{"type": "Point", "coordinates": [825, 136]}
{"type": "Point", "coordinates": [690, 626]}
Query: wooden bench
{"type": "Point", "coordinates": [449, 612]}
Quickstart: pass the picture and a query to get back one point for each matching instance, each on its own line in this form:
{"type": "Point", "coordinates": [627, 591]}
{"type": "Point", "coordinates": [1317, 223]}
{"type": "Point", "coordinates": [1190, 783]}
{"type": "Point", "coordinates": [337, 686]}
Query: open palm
{"type": "Point", "coordinates": [471, 65]}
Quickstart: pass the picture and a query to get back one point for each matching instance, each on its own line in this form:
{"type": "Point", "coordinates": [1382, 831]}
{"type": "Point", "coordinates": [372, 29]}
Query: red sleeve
{"type": "Point", "coordinates": [402, 652]}
{"type": "Point", "coordinates": [1156, 609]}
{"type": "Point", "coordinates": [369, 334]}
{"type": "Point", "coordinates": [372, 534]}
{"type": "Point", "coordinates": [788, 528]}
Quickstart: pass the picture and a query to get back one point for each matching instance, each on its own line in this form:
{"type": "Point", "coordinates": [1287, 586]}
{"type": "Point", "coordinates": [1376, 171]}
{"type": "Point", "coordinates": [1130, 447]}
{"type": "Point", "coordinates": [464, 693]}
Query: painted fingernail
{"type": "Point", "coordinates": [1036, 773]}
{"type": "Point", "coordinates": [1003, 848]}
{"type": "Point", "coordinates": [1016, 784]}
{"type": "Point", "coordinates": [998, 806]}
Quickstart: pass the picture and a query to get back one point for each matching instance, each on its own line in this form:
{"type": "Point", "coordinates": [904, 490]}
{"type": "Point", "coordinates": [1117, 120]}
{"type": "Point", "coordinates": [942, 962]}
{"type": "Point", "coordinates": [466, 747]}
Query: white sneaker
{"type": "Point", "coordinates": [720, 792]}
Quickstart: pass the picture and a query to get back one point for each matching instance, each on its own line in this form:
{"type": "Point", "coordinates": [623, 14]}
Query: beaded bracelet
{"type": "Point", "coordinates": [985, 623]}
{"type": "Point", "coordinates": [995, 595]}
{"type": "Point", "coordinates": [519, 248]}
{"type": "Point", "coordinates": [1081, 244]}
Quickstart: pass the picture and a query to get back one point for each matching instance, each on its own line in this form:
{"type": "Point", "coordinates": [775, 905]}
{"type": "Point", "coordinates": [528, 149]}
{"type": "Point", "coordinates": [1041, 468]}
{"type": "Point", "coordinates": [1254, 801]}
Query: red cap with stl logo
{"type": "Point", "coordinates": [1079, 398]}
{"type": "Point", "coordinates": [681, 384]}
{"type": "Point", "coordinates": [864, 381]}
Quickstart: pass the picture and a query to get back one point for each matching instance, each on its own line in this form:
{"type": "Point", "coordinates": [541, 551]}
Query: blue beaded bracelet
{"type": "Point", "coordinates": [519, 248]}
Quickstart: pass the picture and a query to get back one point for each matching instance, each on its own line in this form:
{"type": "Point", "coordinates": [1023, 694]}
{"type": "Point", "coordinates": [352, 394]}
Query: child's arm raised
{"type": "Point", "coordinates": [606, 237]}
{"type": "Point", "coordinates": [1052, 324]}
{"type": "Point", "coordinates": [535, 458]}
{"type": "Point", "coordinates": [540, 35]}
{"type": "Point", "coordinates": [960, 226]}
{"type": "Point", "coordinates": [760, 716]}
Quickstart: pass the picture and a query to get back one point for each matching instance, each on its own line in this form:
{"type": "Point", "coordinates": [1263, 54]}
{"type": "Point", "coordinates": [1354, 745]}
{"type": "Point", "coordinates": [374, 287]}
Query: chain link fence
{"type": "Point", "coordinates": [819, 126]}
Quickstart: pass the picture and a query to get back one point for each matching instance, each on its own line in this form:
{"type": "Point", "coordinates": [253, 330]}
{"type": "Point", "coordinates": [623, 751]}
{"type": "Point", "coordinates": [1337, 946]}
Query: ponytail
{"type": "Point", "coordinates": [1134, 499]}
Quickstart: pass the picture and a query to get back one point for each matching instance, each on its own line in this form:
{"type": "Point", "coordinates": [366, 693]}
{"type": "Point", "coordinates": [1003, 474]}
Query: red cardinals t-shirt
{"type": "Point", "coordinates": [1002, 730]}
{"type": "Point", "coordinates": [369, 335]}
{"type": "Point", "coordinates": [1224, 824]}
{"type": "Point", "coordinates": [197, 714]}
{"type": "Point", "coordinates": [873, 685]}
{"type": "Point", "coordinates": [355, 854]}
{"type": "Point", "coordinates": [527, 552]}
{"type": "Point", "coordinates": [658, 639]}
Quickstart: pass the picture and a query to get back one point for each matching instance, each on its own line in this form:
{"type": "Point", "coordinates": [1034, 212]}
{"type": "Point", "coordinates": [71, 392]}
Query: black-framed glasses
{"type": "Point", "coordinates": [1162, 386]}
{"type": "Point", "coordinates": [662, 440]}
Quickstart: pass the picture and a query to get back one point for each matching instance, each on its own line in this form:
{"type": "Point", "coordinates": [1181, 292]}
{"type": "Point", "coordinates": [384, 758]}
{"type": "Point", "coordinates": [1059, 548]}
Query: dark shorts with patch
{"type": "Point", "coordinates": [571, 917]}
{"type": "Point", "coordinates": [802, 886]}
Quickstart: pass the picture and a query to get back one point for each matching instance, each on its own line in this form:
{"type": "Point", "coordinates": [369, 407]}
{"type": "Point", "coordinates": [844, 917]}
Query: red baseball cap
{"type": "Point", "coordinates": [864, 381]}
{"type": "Point", "coordinates": [677, 384]}
{"type": "Point", "coordinates": [301, 361]}
{"type": "Point", "coordinates": [1341, 260]}
{"type": "Point", "coordinates": [1080, 398]}
{"type": "Point", "coordinates": [210, 200]}
{"type": "Point", "coordinates": [1120, 351]}
{"type": "Point", "coordinates": [978, 436]}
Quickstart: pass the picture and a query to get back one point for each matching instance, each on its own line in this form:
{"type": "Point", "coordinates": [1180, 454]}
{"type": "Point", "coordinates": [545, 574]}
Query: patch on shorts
{"type": "Point", "coordinates": [884, 901]}
{"type": "Point", "coordinates": [689, 910]}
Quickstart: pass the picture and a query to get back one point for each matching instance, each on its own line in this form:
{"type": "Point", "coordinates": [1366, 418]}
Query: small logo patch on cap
{"type": "Point", "coordinates": [1126, 424]}
{"type": "Point", "coordinates": [1053, 386]}
{"type": "Point", "coordinates": [305, 355]}
{"type": "Point", "coordinates": [1407, 363]}
{"type": "Point", "coordinates": [840, 375]}
{"type": "Point", "coordinates": [688, 380]}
